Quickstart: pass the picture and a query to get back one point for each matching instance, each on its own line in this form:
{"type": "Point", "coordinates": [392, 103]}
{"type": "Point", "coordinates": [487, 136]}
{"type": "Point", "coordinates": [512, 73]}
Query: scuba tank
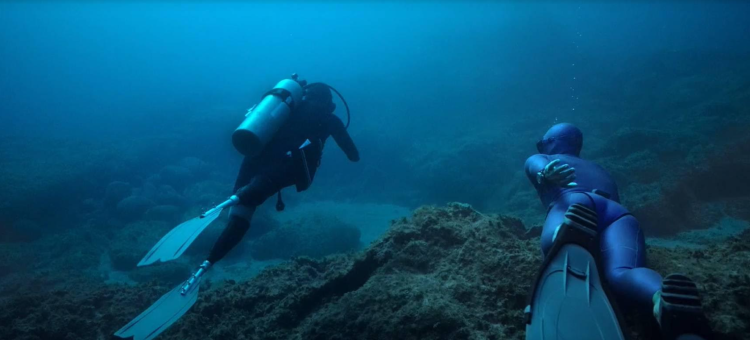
{"type": "Point", "coordinates": [264, 119]}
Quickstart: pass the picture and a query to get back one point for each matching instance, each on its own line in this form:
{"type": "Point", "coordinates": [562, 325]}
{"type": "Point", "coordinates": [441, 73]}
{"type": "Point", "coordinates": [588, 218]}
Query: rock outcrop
{"type": "Point", "coordinates": [448, 273]}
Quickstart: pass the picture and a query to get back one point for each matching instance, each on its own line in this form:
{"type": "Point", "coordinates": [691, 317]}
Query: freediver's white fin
{"type": "Point", "coordinates": [570, 299]}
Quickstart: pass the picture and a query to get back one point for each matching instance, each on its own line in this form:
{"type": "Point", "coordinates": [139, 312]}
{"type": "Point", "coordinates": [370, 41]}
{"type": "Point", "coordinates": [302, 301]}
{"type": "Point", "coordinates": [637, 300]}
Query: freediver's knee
{"type": "Point", "coordinates": [243, 212]}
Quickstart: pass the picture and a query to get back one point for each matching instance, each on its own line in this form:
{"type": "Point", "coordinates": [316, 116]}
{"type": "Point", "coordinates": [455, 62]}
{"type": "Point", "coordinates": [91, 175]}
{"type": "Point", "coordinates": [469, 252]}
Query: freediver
{"type": "Point", "coordinates": [562, 178]}
{"type": "Point", "coordinates": [282, 139]}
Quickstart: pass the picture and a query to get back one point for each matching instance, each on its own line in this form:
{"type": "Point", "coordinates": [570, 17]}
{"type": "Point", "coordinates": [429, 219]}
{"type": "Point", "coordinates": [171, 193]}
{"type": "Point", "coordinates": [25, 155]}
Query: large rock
{"type": "Point", "coordinates": [448, 273]}
{"type": "Point", "coordinates": [314, 236]}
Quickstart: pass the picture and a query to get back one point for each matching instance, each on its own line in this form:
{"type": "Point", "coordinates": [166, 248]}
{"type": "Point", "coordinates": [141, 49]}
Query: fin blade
{"type": "Point", "coordinates": [162, 314]}
{"type": "Point", "coordinates": [177, 240]}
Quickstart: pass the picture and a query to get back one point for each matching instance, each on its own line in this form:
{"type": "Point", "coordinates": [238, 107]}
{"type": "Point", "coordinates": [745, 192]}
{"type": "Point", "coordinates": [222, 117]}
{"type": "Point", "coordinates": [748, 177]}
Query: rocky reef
{"type": "Point", "coordinates": [446, 273]}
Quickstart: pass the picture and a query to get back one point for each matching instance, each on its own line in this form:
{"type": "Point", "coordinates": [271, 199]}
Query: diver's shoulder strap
{"type": "Point", "coordinates": [569, 299]}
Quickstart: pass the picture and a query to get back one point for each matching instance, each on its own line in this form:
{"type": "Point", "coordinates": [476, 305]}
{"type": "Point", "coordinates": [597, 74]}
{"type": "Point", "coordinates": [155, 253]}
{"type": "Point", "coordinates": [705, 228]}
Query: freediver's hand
{"type": "Point", "coordinates": [557, 174]}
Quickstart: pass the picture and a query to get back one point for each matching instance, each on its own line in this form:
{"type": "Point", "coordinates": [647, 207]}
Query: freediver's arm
{"type": "Point", "coordinates": [342, 138]}
{"type": "Point", "coordinates": [541, 171]}
{"type": "Point", "coordinates": [533, 166]}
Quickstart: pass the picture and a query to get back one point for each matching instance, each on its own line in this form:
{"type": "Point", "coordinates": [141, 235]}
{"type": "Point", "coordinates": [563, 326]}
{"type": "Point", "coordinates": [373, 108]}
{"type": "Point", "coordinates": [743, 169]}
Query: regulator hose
{"type": "Point", "coordinates": [348, 112]}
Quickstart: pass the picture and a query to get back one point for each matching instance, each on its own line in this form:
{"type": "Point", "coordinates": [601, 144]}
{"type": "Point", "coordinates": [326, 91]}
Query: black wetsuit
{"type": "Point", "coordinates": [278, 166]}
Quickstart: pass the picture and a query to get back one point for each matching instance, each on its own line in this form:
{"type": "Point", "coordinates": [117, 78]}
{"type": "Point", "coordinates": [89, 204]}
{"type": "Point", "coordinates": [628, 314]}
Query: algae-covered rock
{"type": "Point", "coordinates": [446, 273]}
{"type": "Point", "coordinates": [314, 236]}
{"type": "Point", "coordinates": [133, 207]}
{"type": "Point", "coordinates": [87, 310]}
{"type": "Point", "coordinates": [449, 273]}
{"type": "Point", "coordinates": [720, 273]}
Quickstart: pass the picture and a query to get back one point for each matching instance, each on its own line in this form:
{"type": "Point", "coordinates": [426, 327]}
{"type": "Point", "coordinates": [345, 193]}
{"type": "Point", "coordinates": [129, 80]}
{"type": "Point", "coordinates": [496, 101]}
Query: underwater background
{"type": "Point", "coordinates": [116, 122]}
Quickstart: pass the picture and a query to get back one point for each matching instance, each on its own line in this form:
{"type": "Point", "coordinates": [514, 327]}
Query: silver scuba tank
{"type": "Point", "coordinates": [263, 120]}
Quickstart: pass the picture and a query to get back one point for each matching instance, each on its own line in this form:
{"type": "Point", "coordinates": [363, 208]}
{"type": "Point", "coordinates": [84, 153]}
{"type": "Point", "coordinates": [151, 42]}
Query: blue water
{"type": "Point", "coordinates": [447, 100]}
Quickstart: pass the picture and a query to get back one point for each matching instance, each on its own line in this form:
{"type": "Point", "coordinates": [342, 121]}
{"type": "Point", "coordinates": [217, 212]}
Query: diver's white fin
{"type": "Point", "coordinates": [162, 314]}
{"type": "Point", "coordinates": [174, 243]}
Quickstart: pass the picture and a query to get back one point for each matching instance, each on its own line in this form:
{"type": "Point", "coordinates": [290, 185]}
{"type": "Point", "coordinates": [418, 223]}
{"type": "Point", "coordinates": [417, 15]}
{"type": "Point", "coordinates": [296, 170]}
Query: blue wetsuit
{"type": "Point", "coordinates": [622, 242]}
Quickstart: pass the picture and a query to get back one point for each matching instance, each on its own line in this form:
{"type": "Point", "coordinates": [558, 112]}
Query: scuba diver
{"type": "Point", "coordinates": [594, 255]}
{"type": "Point", "coordinates": [282, 139]}
{"type": "Point", "coordinates": [291, 158]}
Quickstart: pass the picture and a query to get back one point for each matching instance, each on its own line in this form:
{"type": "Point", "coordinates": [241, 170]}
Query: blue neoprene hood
{"type": "Point", "coordinates": [563, 138]}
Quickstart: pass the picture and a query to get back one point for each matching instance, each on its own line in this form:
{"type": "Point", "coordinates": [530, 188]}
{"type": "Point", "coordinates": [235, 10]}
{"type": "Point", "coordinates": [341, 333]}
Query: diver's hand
{"type": "Point", "coordinates": [557, 174]}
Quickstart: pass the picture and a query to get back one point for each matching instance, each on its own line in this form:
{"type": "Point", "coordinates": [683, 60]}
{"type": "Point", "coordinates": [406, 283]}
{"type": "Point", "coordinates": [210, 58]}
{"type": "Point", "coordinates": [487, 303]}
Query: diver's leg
{"type": "Point", "coordinates": [556, 216]}
{"type": "Point", "coordinates": [252, 195]}
{"type": "Point", "coordinates": [624, 258]}
{"type": "Point", "coordinates": [248, 170]}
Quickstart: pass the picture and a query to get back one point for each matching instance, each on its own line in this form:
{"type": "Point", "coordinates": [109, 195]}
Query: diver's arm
{"type": "Point", "coordinates": [533, 166]}
{"type": "Point", "coordinates": [541, 171]}
{"type": "Point", "coordinates": [342, 138]}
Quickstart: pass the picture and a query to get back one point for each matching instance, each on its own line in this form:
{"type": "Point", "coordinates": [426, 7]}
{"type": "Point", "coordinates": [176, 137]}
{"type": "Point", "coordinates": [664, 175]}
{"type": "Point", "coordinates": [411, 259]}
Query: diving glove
{"type": "Point", "coordinates": [561, 175]}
